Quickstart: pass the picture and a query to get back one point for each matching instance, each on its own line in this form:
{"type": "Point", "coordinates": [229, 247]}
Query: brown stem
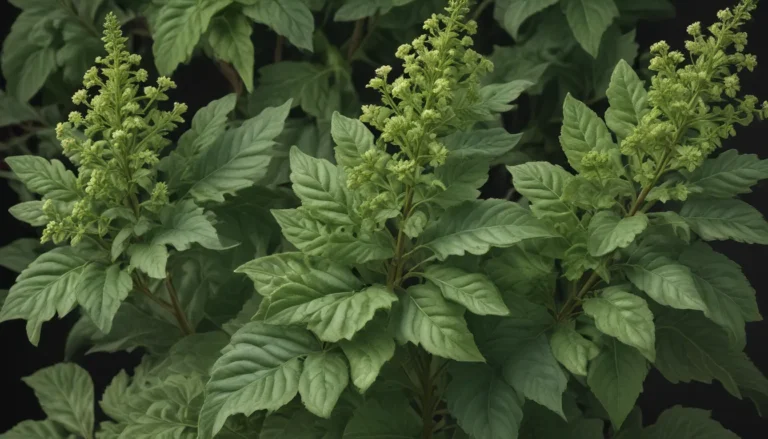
{"type": "Point", "coordinates": [140, 287]}
{"type": "Point", "coordinates": [279, 44]}
{"type": "Point", "coordinates": [357, 35]}
{"type": "Point", "coordinates": [232, 77]}
{"type": "Point", "coordinates": [181, 317]}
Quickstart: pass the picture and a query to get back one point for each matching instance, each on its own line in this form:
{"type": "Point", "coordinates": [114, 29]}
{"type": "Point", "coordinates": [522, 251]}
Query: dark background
{"type": "Point", "coordinates": [201, 82]}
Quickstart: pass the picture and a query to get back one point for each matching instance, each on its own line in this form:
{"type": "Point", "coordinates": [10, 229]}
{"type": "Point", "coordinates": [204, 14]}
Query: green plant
{"type": "Point", "coordinates": [378, 296]}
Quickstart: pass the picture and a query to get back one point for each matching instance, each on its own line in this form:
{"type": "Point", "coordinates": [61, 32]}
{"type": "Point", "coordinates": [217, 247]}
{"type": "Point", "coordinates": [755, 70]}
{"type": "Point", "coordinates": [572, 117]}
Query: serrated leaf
{"type": "Point", "coordinates": [616, 378]}
{"type": "Point", "coordinates": [474, 227]}
{"type": "Point", "coordinates": [319, 186]}
{"type": "Point", "coordinates": [289, 18]}
{"type": "Point", "coordinates": [183, 224]}
{"type": "Point", "coordinates": [180, 24]}
{"type": "Point", "coordinates": [367, 353]}
{"type": "Point", "coordinates": [100, 292]}
{"type": "Point", "coordinates": [669, 222]}
{"type": "Point", "coordinates": [543, 183]}
{"type": "Point", "coordinates": [230, 38]}
{"type": "Point", "coordinates": [48, 178]}
{"type": "Point", "coordinates": [627, 98]}
{"type": "Point", "coordinates": [624, 316]}
{"type": "Point", "coordinates": [132, 328]}
{"type": "Point", "coordinates": [714, 219]}
{"type": "Point", "coordinates": [472, 290]}
{"type": "Point", "coordinates": [588, 20]}
{"type": "Point", "coordinates": [462, 179]}
{"type": "Point", "coordinates": [305, 83]}
{"type": "Point", "coordinates": [65, 392]}
{"type": "Point", "coordinates": [342, 244]}
{"type": "Point", "coordinates": [238, 158]}
{"type": "Point", "coordinates": [518, 11]}
{"type": "Point", "coordinates": [207, 125]}
{"type": "Point", "coordinates": [259, 370]}
{"type": "Point", "coordinates": [687, 423]}
{"type": "Point", "coordinates": [324, 376]}
{"type": "Point", "coordinates": [572, 350]}
{"type": "Point", "coordinates": [150, 259]}
{"type": "Point", "coordinates": [427, 319]}
{"type": "Point", "coordinates": [29, 429]}
{"type": "Point", "coordinates": [729, 297]}
{"type": "Point", "coordinates": [583, 130]}
{"type": "Point", "coordinates": [352, 139]}
{"type": "Point", "coordinates": [729, 174]}
{"type": "Point", "coordinates": [486, 144]}
{"type": "Point", "coordinates": [484, 405]}
{"type": "Point", "coordinates": [524, 271]}
{"type": "Point", "coordinates": [13, 111]}
{"type": "Point", "coordinates": [30, 212]}
{"type": "Point", "coordinates": [664, 280]}
{"type": "Point", "coordinates": [28, 59]}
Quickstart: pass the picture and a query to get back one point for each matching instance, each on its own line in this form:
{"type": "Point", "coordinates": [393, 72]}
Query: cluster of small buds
{"type": "Point", "coordinates": [696, 104]}
{"type": "Point", "coordinates": [597, 166]}
{"type": "Point", "coordinates": [118, 140]}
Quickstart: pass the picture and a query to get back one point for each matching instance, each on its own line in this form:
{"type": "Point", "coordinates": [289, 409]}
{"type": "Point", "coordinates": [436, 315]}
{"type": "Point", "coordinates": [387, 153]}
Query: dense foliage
{"type": "Point", "coordinates": [297, 265]}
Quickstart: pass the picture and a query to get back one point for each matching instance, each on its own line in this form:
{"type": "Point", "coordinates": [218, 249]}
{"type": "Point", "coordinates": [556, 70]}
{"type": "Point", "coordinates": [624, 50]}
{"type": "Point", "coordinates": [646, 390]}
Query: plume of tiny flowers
{"type": "Point", "coordinates": [695, 97]}
{"type": "Point", "coordinates": [441, 76]}
{"type": "Point", "coordinates": [115, 145]}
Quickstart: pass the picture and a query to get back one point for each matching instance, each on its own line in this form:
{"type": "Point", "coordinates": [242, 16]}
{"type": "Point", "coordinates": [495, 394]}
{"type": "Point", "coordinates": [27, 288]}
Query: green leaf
{"type": "Point", "coordinates": [535, 373]}
{"type": "Point", "coordinates": [474, 227]}
{"type": "Point", "coordinates": [664, 280]}
{"type": "Point", "coordinates": [101, 290]}
{"type": "Point", "coordinates": [720, 220]}
{"type": "Point", "coordinates": [230, 38]}
{"type": "Point", "coordinates": [149, 258]}
{"type": "Point", "coordinates": [48, 285]}
{"type": "Point", "coordinates": [486, 144]}
{"type": "Point", "coordinates": [17, 255]}
{"type": "Point", "coordinates": [436, 324]}
{"type": "Point", "coordinates": [207, 125]}
{"type": "Point", "coordinates": [543, 183]}
{"type": "Point", "coordinates": [628, 99]}
{"type": "Point", "coordinates": [65, 392]}
{"type": "Point", "coordinates": [353, 10]}
{"type": "Point", "coordinates": [608, 231]}
{"type": "Point", "coordinates": [259, 370]}
{"type": "Point", "coordinates": [729, 174]}
{"type": "Point", "coordinates": [183, 224]}
{"type": "Point", "coordinates": [324, 377]}
{"type": "Point", "coordinates": [669, 222]}
{"type": "Point", "coordinates": [462, 179]}
{"type": "Point", "coordinates": [588, 20]}
{"type": "Point", "coordinates": [238, 158]}
{"type": "Point", "coordinates": [46, 429]}
{"type": "Point", "coordinates": [540, 423]}
{"type": "Point", "coordinates": [687, 423]}
{"type": "Point", "coordinates": [28, 59]}
{"type": "Point", "coordinates": [341, 244]}
{"type": "Point", "coordinates": [132, 328]}
{"type": "Point", "coordinates": [374, 419]}
{"type": "Point", "coordinates": [320, 187]}
{"type": "Point", "coordinates": [367, 353]}
{"type": "Point", "coordinates": [180, 24]}
{"type": "Point", "coordinates": [625, 316]}
{"type": "Point", "coordinates": [48, 178]}
{"type": "Point", "coordinates": [495, 98]}
{"type": "Point", "coordinates": [518, 11]}
{"type": "Point", "coordinates": [303, 82]}
{"type": "Point", "coordinates": [484, 405]}
{"type": "Point", "coordinates": [289, 18]}
{"type": "Point", "coordinates": [616, 378]}
{"type": "Point", "coordinates": [583, 130]}
{"type": "Point", "coordinates": [472, 290]}
{"type": "Point", "coordinates": [524, 271]}
{"type": "Point", "coordinates": [572, 350]}
{"type": "Point", "coordinates": [14, 112]}
{"type": "Point", "coordinates": [352, 139]}
{"type": "Point", "coordinates": [30, 212]}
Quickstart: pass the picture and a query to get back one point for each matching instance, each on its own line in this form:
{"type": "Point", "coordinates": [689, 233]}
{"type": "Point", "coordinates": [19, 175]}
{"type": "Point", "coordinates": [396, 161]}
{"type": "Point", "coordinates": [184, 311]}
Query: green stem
{"type": "Point", "coordinates": [427, 397]}
{"type": "Point", "coordinates": [181, 317]}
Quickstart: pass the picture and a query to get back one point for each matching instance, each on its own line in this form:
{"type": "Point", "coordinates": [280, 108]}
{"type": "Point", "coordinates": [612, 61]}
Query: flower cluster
{"type": "Point", "coordinates": [695, 105]}
{"type": "Point", "coordinates": [116, 144]}
{"type": "Point", "coordinates": [441, 76]}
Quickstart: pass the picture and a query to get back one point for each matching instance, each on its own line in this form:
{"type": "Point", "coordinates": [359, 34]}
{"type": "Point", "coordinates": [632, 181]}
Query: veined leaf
{"type": "Point", "coordinates": [183, 224]}
{"type": "Point", "coordinates": [374, 419]}
{"type": "Point", "coordinates": [17, 255]}
{"type": "Point", "coordinates": [608, 232]}
{"type": "Point", "coordinates": [207, 125]}
{"type": "Point", "coordinates": [100, 292]}
{"type": "Point", "coordinates": [436, 324]}
{"type": "Point", "coordinates": [616, 378]}
{"type": "Point", "coordinates": [687, 423]}
{"type": "Point", "coordinates": [474, 227]}
{"type": "Point", "coordinates": [28, 58]}
{"type": "Point", "coordinates": [588, 20]}
{"type": "Point", "coordinates": [29, 429]}
{"type": "Point", "coordinates": [48, 178]}
{"type": "Point", "coordinates": [319, 185]}
{"type": "Point", "coordinates": [572, 350]}
{"type": "Point", "coordinates": [230, 38]}
{"type": "Point", "coordinates": [150, 259]}
{"type": "Point", "coordinates": [714, 219]}
{"type": "Point", "coordinates": [30, 212]}
{"type": "Point", "coordinates": [367, 353]}
{"type": "Point", "coordinates": [65, 392]}
{"type": "Point", "coordinates": [352, 139]}
{"type": "Point", "coordinates": [518, 11]}
{"type": "Point", "coordinates": [353, 10]}
{"type": "Point", "coordinates": [524, 271]}
{"type": "Point", "coordinates": [628, 99]}
{"type": "Point", "coordinates": [473, 290]}
{"type": "Point", "coordinates": [543, 183]}
{"type": "Point", "coordinates": [729, 174]}
{"type": "Point", "coordinates": [625, 316]}
{"type": "Point", "coordinates": [583, 130]}
{"type": "Point", "coordinates": [289, 18]}
{"type": "Point", "coordinates": [486, 144]}
{"type": "Point", "coordinates": [303, 82]}
{"type": "Point", "coordinates": [324, 376]}
{"type": "Point", "coordinates": [462, 178]}
{"type": "Point", "coordinates": [259, 370]}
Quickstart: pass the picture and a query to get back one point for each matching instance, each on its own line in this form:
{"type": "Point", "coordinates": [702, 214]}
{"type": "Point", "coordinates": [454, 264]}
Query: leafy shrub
{"type": "Point", "coordinates": [330, 276]}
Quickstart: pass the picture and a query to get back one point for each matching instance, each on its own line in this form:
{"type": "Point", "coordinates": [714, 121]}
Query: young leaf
{"type": "Point", "coordinates": [474, 227]}
{"type": "Point", "coordinates": [625, 316]}
{"type": "Point", "coordinates": [713, 219]}
{"type": "Point", "coordinates": [729, 174]}
{"type": "Point", "coordinates": [180, 24]}
{"type": "Point", "coordinates": [230, 38]}
{"type": "Point", "coordinates": [352, 139]}
{"type": "Point", "coordinates": [518, 11]}
{"type": "Point", "coordinates": [484, 405]}
{"type": "Point", "coordinates": [65, 392]}
{"type": "Point", "coordinates": [608, 231]}
{"type": "Point", "coordinates": [436, 324]}
{"type": "Point", "coordinates": [289, 18]}
{"type": "Point", "coordinates": [30, 212]}
{"type": "Point", "coordinates": [367, 352]}
{"type": "Point", "coordinates": [324, 376]}
{"type": "Point", "coordinates": [616, 378]}
{"type": "Point", "coordinates": [48, 178]}
{"type": "Point", "coordinates": [572, 350]}
{"type": "Point", "coordinates": [472, 290]}
{"type": "Point", "coordinates": [238, 158]}
{"type": "Point", "coordinates": [207, 125]}
{"type": "Point", "coordinates": [628, 99]}
{"type": "Point", "coordinates": [149, 258]}
{"type": "Point", "coordinates": [183, 224]}
{"type": "Point", "coordinates": [588, 20]}
{"type": "Point", "coordinates": [582, 130]}
{"type": "Point", "coordinates": [46, 429]}
{"type": "Point", "coordinates": [543, 183]}
{"type": "Point", "coordinates": [320, 187]}
{"type": "Point", "coordinates": [101, 290]}
{"type": "Point", "coordinates": [687, 423]}
{"type": "Point", "coordinates": [259, 370]}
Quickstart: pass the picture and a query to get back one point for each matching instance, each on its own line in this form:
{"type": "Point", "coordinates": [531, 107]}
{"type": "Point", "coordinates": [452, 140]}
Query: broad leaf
{"type": "Point", "coordinates": [427, 319]}
{"type": "Point", "coordinates": [583, 130]}
{"type": "Point", "coordinates": [289, 18]}
{"type": "Point", "coordinates": [625, 316]}
{"type": "Point", "coordinates": [28, 59]}
{"type": "Point", "coordinates": [367, 353]}
{"type": "Point", "coordinates": [729, 174]}
{"type": "Point", "coordinates": [353, 10]}
{"type": "Point", "coordinates": [259, 370]}
{"type": "Point", "coordinates": [518, 11]}
{"type": "Point", "coordinates": [17, 255]}
{"type": "Point", "coordinates": [720, 220]}
{"type": "Point", "coordinates": [462, 179]}
{"type": "Point", "coordinates": [324, 376]}
{"type": "Point", "coordinates": [473, 290]}
{"type": "Point", "coordinates": [100, 292]}
{"type": "Point", "coordinates": [305, 83]}
{"type": "Point", "coordinates": [543, 183]}
{"type": "Point", "coordinates": [608, 231]}
{"type": "Point", "coordinates": [150, 259]}
{"type": "Point", "coordinates": [30, 212]}
{"type": "Point", "coordinates": [486, 144]}
{"type": "Point", "coordinates": [13, 111]}
{"type": "Point", "coordinates": [616, 378]}
{"type": "Point", "coordinates": [230, 38]}
{"type": "Point", "coordinates": [687, 423]}
{"type": "Point", "coordinates": [628, 99]}
{"type": "Point", "coordinates": [320, 187]}
{"type": "Point", "coordinates": [183, 224]}
{"type": "Point", "coordinates": [374, 419]}
{"type": "Point", "coordinates": [572, 350]}
{"type": "Point", "coordinates": [588, 20]}
{"type": "Point", "coordinates": [65, 392]}
{"type": "Point", "coordinates": [207, 125]}
{"type": "Point", "coordinates": [352, 139]}
{"type": "Point", "coordinates": [524, 271]}
{"type": "Point", "coordinates": [36, 430]}
{"type": "Point", "coordinates": [48, 178]}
